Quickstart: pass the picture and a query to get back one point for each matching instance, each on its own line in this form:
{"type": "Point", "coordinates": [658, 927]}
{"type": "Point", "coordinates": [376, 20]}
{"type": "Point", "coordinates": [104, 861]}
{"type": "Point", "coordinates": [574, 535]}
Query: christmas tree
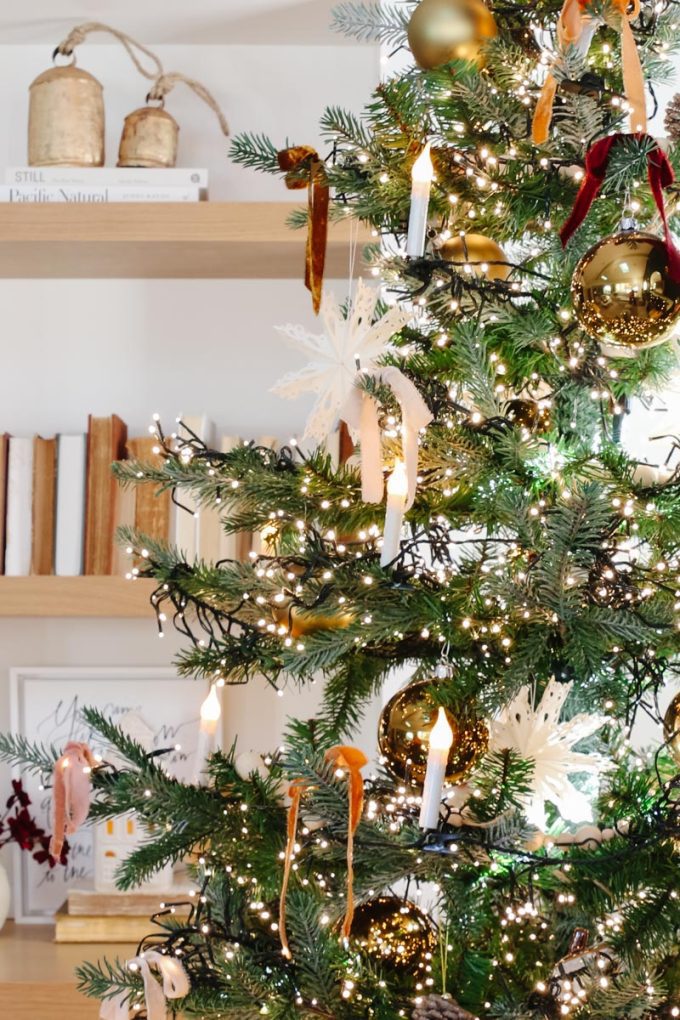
{"type": "Point", "coordinates": [513, 855]}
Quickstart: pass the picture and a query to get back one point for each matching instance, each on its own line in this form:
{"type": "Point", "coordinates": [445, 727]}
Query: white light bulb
{"type": "Point", "coordinates": [211, 709]}
{"type": "Point", "coordinates": [441, 734]}
{"type": "Point", "coordinates": [423, 170]}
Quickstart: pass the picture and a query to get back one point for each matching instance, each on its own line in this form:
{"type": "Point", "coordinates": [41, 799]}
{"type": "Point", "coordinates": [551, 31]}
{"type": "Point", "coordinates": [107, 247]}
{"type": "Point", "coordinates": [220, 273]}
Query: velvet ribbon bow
{"type": "Point", "coordinates": [71, 791]}
{"type": "Point", "coordinates": [576, 27]}
{"type": "Point", "coordinates": [660, 175]}
{"type": "Point", "coordinates": [351, 760]}
{"type": "Point", "coordinates": [305, 169]}
{"type": "Point", "coordinates": [361, 414]}
{"type": "Point", "coordinates": [174, 984]}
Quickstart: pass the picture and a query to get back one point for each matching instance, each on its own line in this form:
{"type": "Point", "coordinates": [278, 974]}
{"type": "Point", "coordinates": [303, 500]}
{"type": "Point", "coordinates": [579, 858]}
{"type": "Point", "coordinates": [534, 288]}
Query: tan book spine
{"type": "Point", "coordinates": [44, 505]}
{"type": "Point", "coordinates": [152, 508]}
{"type": "Point", "coordinates": [94, 928]}
{"type": "Point", "coordinates": [90, 903]}
{"type": "Point", "coordinates": [105, 444]}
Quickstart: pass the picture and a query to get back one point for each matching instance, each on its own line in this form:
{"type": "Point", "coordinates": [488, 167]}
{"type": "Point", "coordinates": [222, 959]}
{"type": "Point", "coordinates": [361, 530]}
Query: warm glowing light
{"type": "Point", "coordinates": [397, 483]}
{"type": "Point", "coordinates": [441, 734]}
{"type": "Point", "coordinates": [423, 171]}
{"type": "Point", "coordinates": [211, 709]}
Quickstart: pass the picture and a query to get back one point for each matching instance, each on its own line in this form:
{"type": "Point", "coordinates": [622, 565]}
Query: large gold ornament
{"type": "Point", "coordinates": [622, 292]}
{"type": "Point", "coordinates": [671, 728]}
{"type": "Point", "coordinates": [404, 731]}
{"type": "Point", "coordinates": [480, 253]}
{"type": "Point", "coordinates": [444, 30]}
{"type": "Point", "coordinates": [394, 931]}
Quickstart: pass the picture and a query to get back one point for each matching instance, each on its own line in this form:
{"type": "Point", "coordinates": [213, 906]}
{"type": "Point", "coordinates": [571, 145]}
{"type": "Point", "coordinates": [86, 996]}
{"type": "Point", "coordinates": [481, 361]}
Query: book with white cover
{"type": "Point", "coordinates": [19, 533]}
{"type": "Point", "coordinates": [187, 525]}
{"type": "Point", "coordinates": [108, 176]}
{"type": "Point", "coordinates": [70, 526]}
{"type": "Point", "coordinates": [83, 194]}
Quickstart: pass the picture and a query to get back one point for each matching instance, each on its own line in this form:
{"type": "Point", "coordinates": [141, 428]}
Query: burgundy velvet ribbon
{"type": "Point", "coordinates": [660, 175]}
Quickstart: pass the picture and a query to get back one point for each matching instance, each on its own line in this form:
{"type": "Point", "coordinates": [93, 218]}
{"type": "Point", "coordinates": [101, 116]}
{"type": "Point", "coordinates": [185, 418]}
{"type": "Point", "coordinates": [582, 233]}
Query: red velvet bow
{"type": "Point", "coordinates": [660, 175]}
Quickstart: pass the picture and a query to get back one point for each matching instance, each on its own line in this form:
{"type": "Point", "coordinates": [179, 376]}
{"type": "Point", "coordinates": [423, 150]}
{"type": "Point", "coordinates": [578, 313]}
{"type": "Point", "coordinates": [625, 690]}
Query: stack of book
{"type": "Point", "coordinates": [60, 505]}
{"type": "Point", "coordinates": [103, 184]}
{"type": "Point", "coordinates": [90, 916]}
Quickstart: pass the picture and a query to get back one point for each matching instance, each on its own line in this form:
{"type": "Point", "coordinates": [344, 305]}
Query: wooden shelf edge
{"type": "Point", "coordinates": [102, 597]}
{"type": "Point", "coordinates": [207, 240]}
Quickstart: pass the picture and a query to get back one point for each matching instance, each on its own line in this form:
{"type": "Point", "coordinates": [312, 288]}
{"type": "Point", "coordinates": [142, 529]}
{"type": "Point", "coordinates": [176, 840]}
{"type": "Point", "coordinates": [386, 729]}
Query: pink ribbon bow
{"type": "Point", "coordinates": [71, 789]}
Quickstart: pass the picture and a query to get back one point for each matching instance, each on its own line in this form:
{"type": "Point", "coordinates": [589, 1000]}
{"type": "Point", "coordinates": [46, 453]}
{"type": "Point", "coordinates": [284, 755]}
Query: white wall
{"type": "Point", "coordinates": [139, 346]}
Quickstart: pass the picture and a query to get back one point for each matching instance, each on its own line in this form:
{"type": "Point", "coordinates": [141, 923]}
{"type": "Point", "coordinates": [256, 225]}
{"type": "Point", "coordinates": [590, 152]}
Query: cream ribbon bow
{"type": "Point", "coordinates": [174, 985]}
{"type": "Point", "coordinates": [360, 412]}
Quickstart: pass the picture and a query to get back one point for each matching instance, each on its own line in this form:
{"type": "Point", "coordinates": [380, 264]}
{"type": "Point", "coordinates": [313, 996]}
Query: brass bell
{"type": "Point", "coordinates": [66, 118]}
{"type": "Point", "coordinates": [149, 138]}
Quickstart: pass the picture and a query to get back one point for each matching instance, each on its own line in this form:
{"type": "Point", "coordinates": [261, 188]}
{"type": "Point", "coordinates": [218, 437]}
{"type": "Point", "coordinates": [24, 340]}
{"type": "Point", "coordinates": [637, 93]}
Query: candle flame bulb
{"type": "Point", "coordinates": [441, 734]}
{"type": "Point", "coordinates": [423, 170]}
{"type": "Point", "coordinates": [211, 709]}
{"type": "Point", "coordinates": [397, 483]}
{"type": "Point", "coordinates": [422, 173]}
{"type": "Point", "coordinates": [439, 744]}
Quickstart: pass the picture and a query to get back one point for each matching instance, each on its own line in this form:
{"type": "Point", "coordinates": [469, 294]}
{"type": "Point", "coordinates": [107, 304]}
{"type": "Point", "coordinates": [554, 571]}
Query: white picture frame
{"type": "Point", "coordinates": [45, 702]}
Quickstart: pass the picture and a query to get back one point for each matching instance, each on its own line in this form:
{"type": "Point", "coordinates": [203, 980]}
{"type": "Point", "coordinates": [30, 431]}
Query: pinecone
{"type": "Point", "coordinates": [672, 121]}
{"type": "Point", "coordinates": [440, 1007]}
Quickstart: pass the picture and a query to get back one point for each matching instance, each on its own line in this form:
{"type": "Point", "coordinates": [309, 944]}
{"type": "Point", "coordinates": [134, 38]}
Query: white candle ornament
{"type": "Point", "coordinates": [210, 717]}
{"type": "Point", "coordinates": [441, 738]}
{"type": "Point", "coordinates": [421, 177]}
{"type": "Point", "coordinates": [397, 492]}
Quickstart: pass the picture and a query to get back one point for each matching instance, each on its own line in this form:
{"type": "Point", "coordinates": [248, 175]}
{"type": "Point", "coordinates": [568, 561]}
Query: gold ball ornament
{"type": "Point", "coordinates": [671, 728]}
{"type": "Point", "coordinates": [394, 931]}
{"type": "Point", "coordinates": [480, 253]}
{"type": "Point", "coordinates": [404, 733]}
{"type": "Point", "coordinates": [622, 292]}
{"type": "Point", "coordinates": [533, 415]}
{"type": "Point", "coordinates": [299, 623]}
{"type": "Point", "coordinates": [444, 30]}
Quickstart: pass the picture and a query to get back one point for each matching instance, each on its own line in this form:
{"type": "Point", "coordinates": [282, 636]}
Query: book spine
{"type": "Point", "coordinates": [71, 461]}
{"type": "Point", "coordinates": [182, 177]}
{"type": "Point", "coordinates": [16, 194]}
{"type": "Point", "coordinates": [19, 507]}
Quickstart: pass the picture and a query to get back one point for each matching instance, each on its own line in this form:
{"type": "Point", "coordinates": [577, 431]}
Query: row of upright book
{"type": "Point", "coordinates": [60, 504]}
{"type": "Point", "coordinates": [82, 185]}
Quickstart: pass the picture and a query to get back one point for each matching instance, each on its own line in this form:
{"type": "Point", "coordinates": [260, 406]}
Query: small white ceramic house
{"type": "Point", "coordinates": [116, 838]}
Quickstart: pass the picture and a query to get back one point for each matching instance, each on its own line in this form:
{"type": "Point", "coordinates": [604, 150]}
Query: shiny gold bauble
{"type": "Point", "coordinates": [404, 733]}
{"type": "Point", "coordinates": [149, 138]}
{"type": "Point", "coordinates": [394, 931]}
{"type": "Point", "coordinates": [671, 728]}
{"type": "Point", "coordinates": [622, 292]}
{"type": "Point", "coordinates": [532, 415]}
{"type": "Point", "coordinates": [444, 30]}
{"type": "Point", "coordinates": [299, 623]}
{"type": "Point", "coordinates": [66, 119]}
{"type": "Point", "coordinates": [479, 253]}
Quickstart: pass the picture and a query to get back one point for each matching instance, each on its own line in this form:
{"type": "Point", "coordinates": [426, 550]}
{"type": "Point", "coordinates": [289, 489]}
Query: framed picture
{"type": "Point", "coordinates": [46, 707]}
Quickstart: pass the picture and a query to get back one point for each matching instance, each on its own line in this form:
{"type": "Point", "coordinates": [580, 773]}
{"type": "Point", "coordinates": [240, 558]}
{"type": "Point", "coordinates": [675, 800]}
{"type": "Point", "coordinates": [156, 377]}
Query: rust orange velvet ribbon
{"type": "Point", "coordinates": [660, 175]}
{"type": "Point", "coordinates": [570, 27]}
{"type": "Point", "coordinates": [304, 169]}
{"type": "Point", "coordinates": [71, 789]}
{"type": "Point", "coordinates": [352, 760]}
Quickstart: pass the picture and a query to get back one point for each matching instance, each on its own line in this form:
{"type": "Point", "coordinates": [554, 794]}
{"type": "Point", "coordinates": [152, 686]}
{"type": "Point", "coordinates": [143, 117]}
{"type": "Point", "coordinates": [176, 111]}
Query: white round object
{"type": "Point", "coordinates": [248, 762]}
{"type": "Point", "coordinates": [5, 896]}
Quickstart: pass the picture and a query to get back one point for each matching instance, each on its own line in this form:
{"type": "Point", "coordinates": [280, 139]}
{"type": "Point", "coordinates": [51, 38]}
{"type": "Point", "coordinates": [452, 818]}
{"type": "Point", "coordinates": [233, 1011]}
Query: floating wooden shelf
{"type": "Point", "coordinates": [37, 979]}
{"type": "Point", "coordinates": [75, 596]}
{"type": "Point", "coordinates": [208, 240]}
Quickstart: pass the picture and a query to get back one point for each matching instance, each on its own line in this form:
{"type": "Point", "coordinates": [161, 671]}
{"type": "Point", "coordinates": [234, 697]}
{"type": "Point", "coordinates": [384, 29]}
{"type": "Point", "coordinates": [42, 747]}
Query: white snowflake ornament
{"type": "Point", "coordinates": [536, 733]}
{"type": "Point", "coordinates": [332, 372]}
